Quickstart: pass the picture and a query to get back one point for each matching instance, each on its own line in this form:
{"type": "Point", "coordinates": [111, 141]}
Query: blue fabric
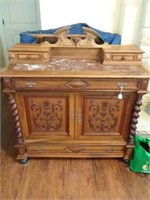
{"type": "Point", "coordinates": [110, 38]}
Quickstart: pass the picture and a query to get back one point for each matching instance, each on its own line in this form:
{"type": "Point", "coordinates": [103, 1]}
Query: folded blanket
{"type": "Point", "coordinates": [110, 38]}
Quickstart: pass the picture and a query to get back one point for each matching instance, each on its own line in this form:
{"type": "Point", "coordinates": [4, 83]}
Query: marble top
{"type": "Point", "coordinates": [73, 65]}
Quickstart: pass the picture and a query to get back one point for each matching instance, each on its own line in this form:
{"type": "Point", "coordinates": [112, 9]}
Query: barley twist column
{"type": "Point", "coordinates": [13, 104]}
{"type": "Point", "coordinates": [134, 120]}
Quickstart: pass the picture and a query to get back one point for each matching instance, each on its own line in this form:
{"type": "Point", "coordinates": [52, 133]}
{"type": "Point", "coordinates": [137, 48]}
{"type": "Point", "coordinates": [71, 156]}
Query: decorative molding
{"type": "Point", "coordinates": [77, 84]}
{"type": "Point", "coordinates": [7, 83]}
{"type": "Point", "coordinates": [103, 115]}
{"type": "Point", "coordinates": [90, 38]}
{"type": "Point", "coordinates": [46, 116]}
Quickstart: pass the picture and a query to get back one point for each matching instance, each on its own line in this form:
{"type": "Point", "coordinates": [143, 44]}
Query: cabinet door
{"type": "Point", "coordinates": [46, 115]}
{"type": "Point", "coordinates": [103, 115]}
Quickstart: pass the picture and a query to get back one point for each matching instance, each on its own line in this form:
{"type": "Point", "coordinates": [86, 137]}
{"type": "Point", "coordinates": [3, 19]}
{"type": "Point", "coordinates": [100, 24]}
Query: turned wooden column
{"type": "Point", "coordinates": [134, 120]}
{"type": "Point", "coordinates": [9, 90]}
{"type": "Point", "coordinates": [14, 110]}
{"type": "Point", "coordinates": [133, 127]}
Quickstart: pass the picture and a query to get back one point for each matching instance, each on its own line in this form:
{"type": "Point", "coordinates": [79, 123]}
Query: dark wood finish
{"type": "Point", "coordinates": [75, 97]}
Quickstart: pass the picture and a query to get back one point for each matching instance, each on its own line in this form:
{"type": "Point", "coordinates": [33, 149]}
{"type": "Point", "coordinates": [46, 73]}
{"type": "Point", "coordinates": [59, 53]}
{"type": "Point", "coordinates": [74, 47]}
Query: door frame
{"type": "Point", "coordinates": [3, 35]}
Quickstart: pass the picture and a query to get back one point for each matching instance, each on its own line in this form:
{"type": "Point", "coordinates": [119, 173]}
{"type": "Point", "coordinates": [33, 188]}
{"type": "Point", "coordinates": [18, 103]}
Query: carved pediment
{"type": "Point", "coordinates": [61, 38]}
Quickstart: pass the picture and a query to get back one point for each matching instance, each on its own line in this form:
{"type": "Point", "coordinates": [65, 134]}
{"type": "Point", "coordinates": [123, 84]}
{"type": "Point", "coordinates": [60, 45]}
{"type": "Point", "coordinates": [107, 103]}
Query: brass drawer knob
{"type": "Point", "coordinates": [110, 149]}
{"type": "Point", "coordinates": [30, 84]}
{"type": "Point", "coordinates": [123, 58]}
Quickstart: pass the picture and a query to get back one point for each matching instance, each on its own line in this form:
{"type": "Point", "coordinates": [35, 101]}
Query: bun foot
{"type": "Point", "coordinates": [24, 162]}
{"type": "Point", "coordinates": [127, 161]}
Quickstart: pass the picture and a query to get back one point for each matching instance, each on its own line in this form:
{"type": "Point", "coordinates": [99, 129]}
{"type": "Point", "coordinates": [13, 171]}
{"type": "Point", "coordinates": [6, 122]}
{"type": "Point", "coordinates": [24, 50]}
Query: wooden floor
{"type": "Point", "coordinates": [66, 179]}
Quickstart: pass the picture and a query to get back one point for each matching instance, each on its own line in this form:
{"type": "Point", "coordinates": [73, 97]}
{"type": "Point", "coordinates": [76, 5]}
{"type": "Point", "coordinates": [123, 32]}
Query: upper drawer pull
{"type": "Point", "coordinates": [123, 58]}
{"type": "Point", "coordinates": [109, 149]}
{"type": "Point", "coordinates": [30, 84]}
{"type": "Point", "coordinates": [121, 86]}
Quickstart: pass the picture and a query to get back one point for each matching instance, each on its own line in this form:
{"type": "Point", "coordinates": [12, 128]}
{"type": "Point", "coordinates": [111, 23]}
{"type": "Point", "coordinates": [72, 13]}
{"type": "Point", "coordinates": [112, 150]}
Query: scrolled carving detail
{"type": "Point", "coordinates": [13, 104]}
{"type": "Point", "coordinates": [7, 83]}
{"type": "Point", "coordinates": [46, 116]}
{"type": "Point", "coordinates": [103, 116]}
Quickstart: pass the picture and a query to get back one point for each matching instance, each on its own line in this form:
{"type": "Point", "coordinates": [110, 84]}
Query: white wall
{"type": "Point", "coordinates": [97, 13]}
{"type": "Point", "coordinates": [116, 16]}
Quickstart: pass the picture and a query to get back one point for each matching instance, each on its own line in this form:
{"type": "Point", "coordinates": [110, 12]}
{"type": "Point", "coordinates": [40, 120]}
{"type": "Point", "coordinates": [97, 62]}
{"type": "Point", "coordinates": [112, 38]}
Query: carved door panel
{"type": "Point", "coordinates": [46, 115]}
{"type": "Point", "coordinates": [103, 115]}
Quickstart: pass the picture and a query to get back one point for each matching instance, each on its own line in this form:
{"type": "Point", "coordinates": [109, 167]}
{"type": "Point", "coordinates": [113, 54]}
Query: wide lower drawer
{"type": "Point", "coordinates": [63, 148]}
{"type": "Point", "coordinates": [74, 84]}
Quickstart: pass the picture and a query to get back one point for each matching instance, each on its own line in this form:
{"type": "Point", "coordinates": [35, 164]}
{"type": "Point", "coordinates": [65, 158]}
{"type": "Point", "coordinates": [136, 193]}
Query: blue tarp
{"type": "Point", "coordinates": [110, 38]}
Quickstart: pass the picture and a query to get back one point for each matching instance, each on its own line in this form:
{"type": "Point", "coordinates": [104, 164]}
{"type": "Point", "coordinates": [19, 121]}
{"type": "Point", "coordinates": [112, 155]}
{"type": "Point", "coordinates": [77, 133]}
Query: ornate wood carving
{"type": "Point", "coordinates": [7, 83]}
{"type": "Point", "coordinates": [46, 115]}
{"type": "Point", "coordinates": [14, 109]}
{"type": "Point", "coordinates": [67, 110]}
{"type": "Point", "coordinates": [62, 39]}
{"type": "Point", "coordinates": [103, 115]}
{"type": "Point", "coordinates": [76, 84]}
{"type": "Point", "coordinates": [134, 120]}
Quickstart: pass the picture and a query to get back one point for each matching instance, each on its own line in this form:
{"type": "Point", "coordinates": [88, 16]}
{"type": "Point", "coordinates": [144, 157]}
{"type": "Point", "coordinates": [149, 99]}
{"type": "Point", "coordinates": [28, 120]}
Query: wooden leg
{"type": "Point", "coordinates": [128, 153]}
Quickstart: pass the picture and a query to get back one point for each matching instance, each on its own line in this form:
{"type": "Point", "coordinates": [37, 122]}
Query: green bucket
{"type": "Point", "coordinates": [140, 161]}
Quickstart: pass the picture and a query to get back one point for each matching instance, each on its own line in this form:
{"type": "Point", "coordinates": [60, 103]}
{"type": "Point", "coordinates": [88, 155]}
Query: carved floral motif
{"type": "Point", "coordinates": [7, 83]}
{"type": "Point", "coordinates": [103, 115]}
{"type": "Point", "coordinates": [46, 115]}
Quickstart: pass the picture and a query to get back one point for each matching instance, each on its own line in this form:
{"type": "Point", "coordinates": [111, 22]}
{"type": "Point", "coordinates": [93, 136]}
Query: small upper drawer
{"type": "Point", "coordinates": [29, 56]}
{"type": "Point", "coordinates": [74, 84]}
{"type": "Point", "coordinates": [123, 57]}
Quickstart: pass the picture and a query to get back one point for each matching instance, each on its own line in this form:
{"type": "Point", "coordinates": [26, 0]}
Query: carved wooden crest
{"type": "Point", "coordinates": [61, 38]}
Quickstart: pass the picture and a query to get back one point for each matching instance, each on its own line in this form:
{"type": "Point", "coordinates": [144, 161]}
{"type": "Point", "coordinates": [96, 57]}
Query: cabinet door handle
{"type": "Point", "coordinates": [72, 115]}
{"type": "Point", "coordinates": [79, 116]}
{"type": "Point", "coordinates": [30, 84]}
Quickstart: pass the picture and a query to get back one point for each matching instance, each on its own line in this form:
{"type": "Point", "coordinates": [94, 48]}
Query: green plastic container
{"type": "Point", "coordinates": [140, 161]}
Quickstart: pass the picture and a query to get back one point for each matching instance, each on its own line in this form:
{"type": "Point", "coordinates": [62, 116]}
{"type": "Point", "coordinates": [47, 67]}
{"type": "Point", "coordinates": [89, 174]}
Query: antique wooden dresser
{"type": "Point", "coordinates": [75, 96]}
